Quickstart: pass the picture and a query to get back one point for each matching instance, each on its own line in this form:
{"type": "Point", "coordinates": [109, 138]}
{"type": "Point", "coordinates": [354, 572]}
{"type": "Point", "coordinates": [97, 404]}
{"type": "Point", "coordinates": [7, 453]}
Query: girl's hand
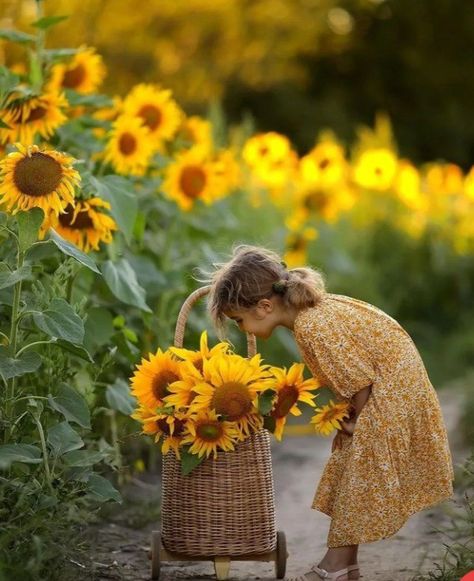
{"type": "Point", "coordinates": [337, 442]}
{"type": "Point", "coordinates": [348, 427]}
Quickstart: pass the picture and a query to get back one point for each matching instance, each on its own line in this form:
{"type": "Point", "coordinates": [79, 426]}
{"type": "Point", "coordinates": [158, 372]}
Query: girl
{"type": "Point", "coordinates": [391, 458]}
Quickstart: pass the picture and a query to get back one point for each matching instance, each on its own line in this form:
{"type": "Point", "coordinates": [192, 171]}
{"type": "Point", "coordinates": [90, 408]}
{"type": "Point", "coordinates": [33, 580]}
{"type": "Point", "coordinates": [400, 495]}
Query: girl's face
{"type": "Point", "coordinates": [259, 320]}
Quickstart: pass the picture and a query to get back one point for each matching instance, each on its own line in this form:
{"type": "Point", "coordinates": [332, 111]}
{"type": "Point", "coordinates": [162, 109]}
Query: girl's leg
{"type": "Point", "coordinates": [338, 557]}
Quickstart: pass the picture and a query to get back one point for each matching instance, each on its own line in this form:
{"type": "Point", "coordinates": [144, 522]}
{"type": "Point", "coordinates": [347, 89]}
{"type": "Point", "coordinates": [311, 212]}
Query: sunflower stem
{"type": "Point", "coordinates": [45, 453]}
{"type": "Point", "coordinates": [38, 56]}
{"type": "Point", "coordinates": [12, 345]}
{"type": "Point", "coordinates": [116, 444]}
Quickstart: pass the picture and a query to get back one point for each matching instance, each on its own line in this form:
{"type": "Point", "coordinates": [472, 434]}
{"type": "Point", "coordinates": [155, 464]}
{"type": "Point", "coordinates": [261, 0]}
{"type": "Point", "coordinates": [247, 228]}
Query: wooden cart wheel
{"type": "Point", "coordinates": [155, 554]}
{"type": "Point", "coordinates": [221, 567]}
{"type": "Point", "coordinates": [281, 555]}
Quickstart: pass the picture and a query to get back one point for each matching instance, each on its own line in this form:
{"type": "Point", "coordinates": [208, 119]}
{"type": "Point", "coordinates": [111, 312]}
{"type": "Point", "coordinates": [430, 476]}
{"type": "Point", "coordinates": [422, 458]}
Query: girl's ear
{"type": "Point", "coordinates": [266, 305]}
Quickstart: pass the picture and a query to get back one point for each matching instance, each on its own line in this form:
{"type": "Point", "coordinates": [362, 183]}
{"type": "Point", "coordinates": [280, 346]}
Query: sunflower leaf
{"type": "Point", "coordinates": [124, 204]}
{"type": "Point", "coordinates": [72, 405]}
{"type": "Point", "coordinates": [28, 226]}
{"type": "Point", "coordinates": [27, 362]}
{"type": "Point", "coordinates": [269, 422]}
{"type": "Point", "coordinates": [265, 401]}
{"type": "Point", "coordinates": [71, 250]}
{"type": "Point", "coordinates": [62, 438]}
{"type": "Point", "coordinates": [8, 278]}
{"type": "Point", "coordinates": [60, 320]}
{"type": "Point", "coordinates": [102, 489]}
{"type": "Point", "coordinates": [48, 21]}
{"type": "Point", "coordinates": [118, 397]}
{"type": "Point", "coordinates": [122, 281]}
{"type": "Point", "coordinates": [26, 453]}
{"type": "Point", "coordinates": [16, 36]}
{"type": "Point", "coordinates": [189, 461]}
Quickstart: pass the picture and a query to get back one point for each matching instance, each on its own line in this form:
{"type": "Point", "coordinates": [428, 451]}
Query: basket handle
{"type": "Point", "coordinates": [183, 317]}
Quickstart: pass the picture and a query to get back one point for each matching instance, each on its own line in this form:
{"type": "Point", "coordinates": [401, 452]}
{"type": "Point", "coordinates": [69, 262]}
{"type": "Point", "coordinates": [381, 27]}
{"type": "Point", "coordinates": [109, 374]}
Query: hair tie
{"type": "Point", "coordinates": [283, 263]}
{"type": "Point", "coordinates": [279, 287]}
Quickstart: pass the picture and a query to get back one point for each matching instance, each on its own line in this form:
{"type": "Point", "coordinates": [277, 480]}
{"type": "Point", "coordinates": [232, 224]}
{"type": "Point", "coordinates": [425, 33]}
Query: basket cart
{"type": "Point", "coordinates": [224, 510]}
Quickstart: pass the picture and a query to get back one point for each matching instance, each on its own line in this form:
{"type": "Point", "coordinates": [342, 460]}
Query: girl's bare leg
{"type": "Point", "coordinates": [339, 557]}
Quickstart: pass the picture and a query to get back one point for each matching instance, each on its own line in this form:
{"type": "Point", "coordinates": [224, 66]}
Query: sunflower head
{"type": "Point", "coordinates": [31, 177]}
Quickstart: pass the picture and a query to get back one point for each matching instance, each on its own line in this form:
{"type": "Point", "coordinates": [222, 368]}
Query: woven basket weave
{"type": "Point", "coordinates": [224, 506]}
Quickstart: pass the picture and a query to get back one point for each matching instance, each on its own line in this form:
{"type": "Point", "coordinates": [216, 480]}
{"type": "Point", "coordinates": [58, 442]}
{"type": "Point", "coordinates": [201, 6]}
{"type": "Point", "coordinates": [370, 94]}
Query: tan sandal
{"type": "Point", "coordinates": [341, 575]}
{"type": "Point", "coordinates": [351, 568]}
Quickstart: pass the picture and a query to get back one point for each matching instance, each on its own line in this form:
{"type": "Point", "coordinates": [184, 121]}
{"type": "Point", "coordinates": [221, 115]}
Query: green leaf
{"type": "Point", "coordinates": [119, 398]}
{"type": "Point", "coordinates": [76, 350]}
{"type": "Point", "coordinates": [189, 461]}
{"type": "Point", "coordinates": [9, 278]}
{"type": "Point", "coordinates": [16, 36]}
{"type": "Point", "coordinates": [25, 453]}
{"type": "Point", "coordinates": [72, 405]}
{"type": "Point", "coordinates": [98, 327]}
{"type": "Point", "coordinates": [67, 248]}
{"type": "Point", "coordinates": [28, 226]}
{"type": "Point", "coordinates": [269, 422]}
{"type": "Point", "coordinates": [28, 362]}
{"type": "Point", "coordinates": [62, 438]}
{"type": "Point", "coordinates": [48, 21]}
{"type": "Point", "coordinates": [120, 278]}
{"type": "Point", "coordinates": [84, 457]}
{"type": "Point", "coordinates": [60, 320]}
{"type": "Point", "coordinates": [8, 81]}
{"type": "Point", "coordinates": [3, 125]}
{"type": "Point", "coordinates": [118, 192]}
{"type": "Point", "coordinates": [102, 489]}
{"type": "Point", "coordinates": [40, 250]}
{"type": "Point", "coordinates": [265, 401]}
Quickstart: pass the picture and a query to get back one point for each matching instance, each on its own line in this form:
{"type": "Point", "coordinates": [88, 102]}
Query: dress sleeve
{"type": "Point", "coordinates": [338, 351]}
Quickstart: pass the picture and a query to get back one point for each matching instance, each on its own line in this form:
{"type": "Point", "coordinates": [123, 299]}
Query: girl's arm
{"type": "Point", "coordinates": [360, 399]}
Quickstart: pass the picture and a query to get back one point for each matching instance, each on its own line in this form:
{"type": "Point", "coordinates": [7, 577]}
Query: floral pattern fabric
{"type": "Point", "coordinates": [398, 460]}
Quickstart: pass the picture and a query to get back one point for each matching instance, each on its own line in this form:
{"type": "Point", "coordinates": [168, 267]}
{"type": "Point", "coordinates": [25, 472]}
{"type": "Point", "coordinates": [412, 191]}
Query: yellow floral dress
{"type": "Point", "coordinates": [398, 460]}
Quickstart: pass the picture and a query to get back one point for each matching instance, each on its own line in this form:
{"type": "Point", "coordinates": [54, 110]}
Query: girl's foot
{"type": "Point", "coordinates": [312, 575]}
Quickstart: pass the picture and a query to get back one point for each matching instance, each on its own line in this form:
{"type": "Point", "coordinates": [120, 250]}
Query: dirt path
{"type": "Point", "coordinates": [121, 551]}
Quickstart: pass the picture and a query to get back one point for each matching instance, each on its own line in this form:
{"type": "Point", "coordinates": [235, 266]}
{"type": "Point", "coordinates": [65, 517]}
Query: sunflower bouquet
{"type": "Point", "coordinates": [197, 402]}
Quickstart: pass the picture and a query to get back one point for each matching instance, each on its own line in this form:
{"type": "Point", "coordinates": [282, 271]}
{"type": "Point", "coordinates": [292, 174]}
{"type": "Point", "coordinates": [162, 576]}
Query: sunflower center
{"type": "Point", "coordinates": [74, 77]}
{"type": "Point", "coordinates": [165, 426]}
{"type": "Point", "coordinates": [287, 397]}
{"type": "Point", "coordinates": [324, 163]}
{"type": "Point", "coordinates": [37, 175]}
{"type": "Point", "coordinates": [151, 115]}
{"type": "Point", "coordinates": [82, 221]}
{"type": "Point", "coordinates": [233, 400]}
{"type": "Point", "coordinates": [161, 382]}
{"type": "Point", "coordinates": [35, 114]}
{"type": "Point", "coordinates": [210, 432]}
{"type": "Point", "coordinates": [127, 144]}
{"type": "Point", "coordinates": [192, 181]}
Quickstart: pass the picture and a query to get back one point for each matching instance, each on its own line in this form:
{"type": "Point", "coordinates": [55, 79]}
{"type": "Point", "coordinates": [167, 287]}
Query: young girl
{"type": "Point", "coordinates": [391, 458]}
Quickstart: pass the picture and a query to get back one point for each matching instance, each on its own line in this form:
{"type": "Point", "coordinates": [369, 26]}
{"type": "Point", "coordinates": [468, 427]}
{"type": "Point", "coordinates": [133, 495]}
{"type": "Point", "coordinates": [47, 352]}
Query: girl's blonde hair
{"type": "Point", "coordinates": [254, 273]}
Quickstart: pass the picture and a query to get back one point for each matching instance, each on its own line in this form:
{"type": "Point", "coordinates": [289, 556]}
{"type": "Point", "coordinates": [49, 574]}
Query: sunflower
{"type": "Point", "coordinates": [182, 392]}
{"type": "Point", "coordinates": [231, 387]}
{"type": "Point", "coordinates": [107, 114]}
{"type": "Point", "coordinates": [82, 224]}
{"type": "Point", "coordinates": [266, 148]}
{"type": "Point", "coordinates": [325, 166]}
{"type": "Point", "coordinates": [28, 116]}
{"type": "Point", "coordinates": [328, 417]}
{"type": "Point", "coordinates": [291, 388]}
{"type": "Point", "coordinates": [189, 178]}
{"type": "Point", "coordinates": [151, 380]}
{"type": "Point", "coordinates": [156, 109]}
{"type": "Point", "coordinates": [171, 427]}
{"type": "Point", "coordinates": [226, 171]}
{"type": "Point", "coordinates": [196, 131]}
{"type": "Point", "coordinates": [197, 357]}
{"type": "Point", "coordinates": [375, 169]}
{"type": "Point", "coordinates": [207, 433]}
{"type": "Point", "coordinates": [32, 177]}
{"type": "Point", "coordinates": [297, 243]}
{"type": "Point", "coordinates": [84, 73]}
{"type": "Point", "coordinates": [129, 148]}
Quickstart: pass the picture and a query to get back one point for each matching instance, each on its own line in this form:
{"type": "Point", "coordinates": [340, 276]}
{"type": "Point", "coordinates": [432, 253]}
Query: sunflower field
{"type": "Point", "coordinates": [108, 202]}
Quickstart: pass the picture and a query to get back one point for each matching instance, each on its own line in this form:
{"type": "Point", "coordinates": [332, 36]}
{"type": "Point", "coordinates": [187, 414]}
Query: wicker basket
{"type": "Point", "coordinates": [224, 506]}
